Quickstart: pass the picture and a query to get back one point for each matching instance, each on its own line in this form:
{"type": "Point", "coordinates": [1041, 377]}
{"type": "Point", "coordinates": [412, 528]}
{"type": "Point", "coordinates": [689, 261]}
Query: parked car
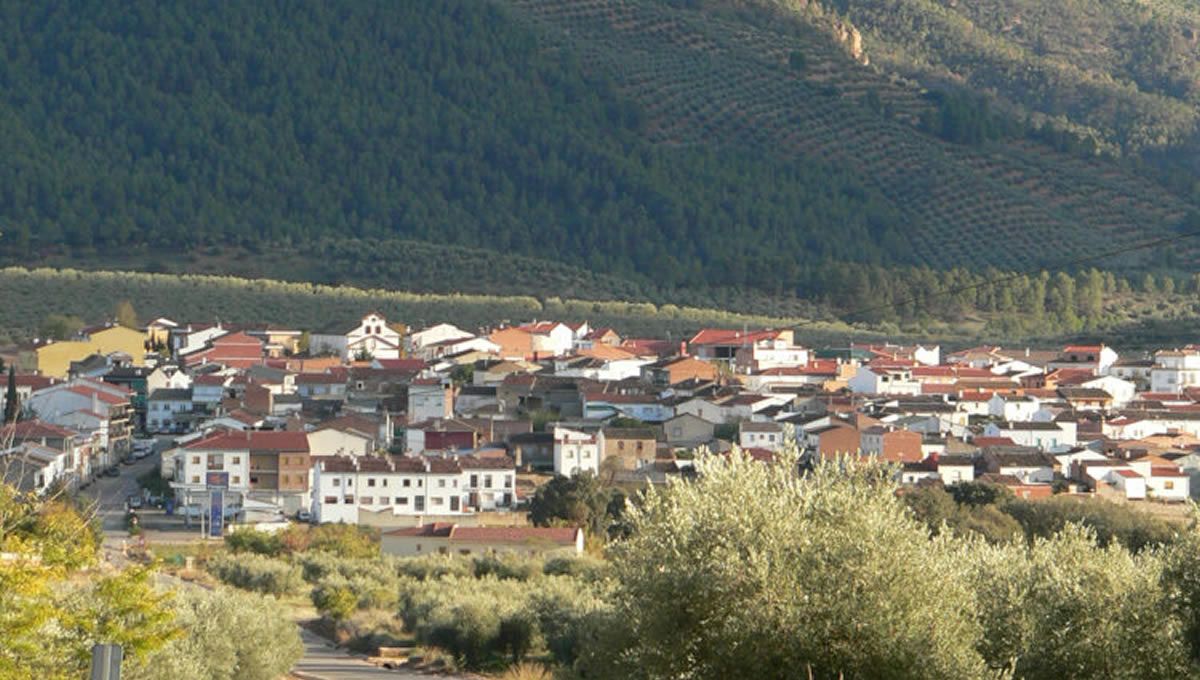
{"type": "Point", "coordinates": [303, 516]}
{"type": "Point", "coordinates": [134, 502]}
{"type": "Point", "coordinates": [113, 471]}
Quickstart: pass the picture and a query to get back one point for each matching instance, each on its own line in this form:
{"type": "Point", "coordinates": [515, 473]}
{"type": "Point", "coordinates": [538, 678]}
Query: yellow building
{"type": "Point", "coordinates": [55, 358]}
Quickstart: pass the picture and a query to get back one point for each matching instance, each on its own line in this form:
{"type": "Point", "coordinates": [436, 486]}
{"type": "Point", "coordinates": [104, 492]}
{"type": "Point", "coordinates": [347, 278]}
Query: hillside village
{"type": "Point", "coordinates": [440, 432]}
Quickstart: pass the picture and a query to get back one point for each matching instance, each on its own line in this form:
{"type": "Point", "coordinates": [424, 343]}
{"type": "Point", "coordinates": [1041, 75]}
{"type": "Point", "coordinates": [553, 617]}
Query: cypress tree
{"type": "Point", "coordinates": [10, 397]}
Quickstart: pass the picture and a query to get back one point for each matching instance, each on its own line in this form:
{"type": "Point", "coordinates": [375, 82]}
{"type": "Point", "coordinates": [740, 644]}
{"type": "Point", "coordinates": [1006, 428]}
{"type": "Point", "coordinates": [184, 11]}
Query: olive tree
{"type": "Point", "coordinates": [753, 570]}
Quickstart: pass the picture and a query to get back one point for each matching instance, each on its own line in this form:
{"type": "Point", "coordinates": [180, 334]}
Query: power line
{"type": "Point", "coordinates": [1152, 243]}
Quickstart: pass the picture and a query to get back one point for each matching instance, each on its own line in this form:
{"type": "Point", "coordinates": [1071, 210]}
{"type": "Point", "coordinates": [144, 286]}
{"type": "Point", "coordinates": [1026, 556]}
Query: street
{"type": "Point", "coordinates": [324, 662]}
{"type": "Point", "coordinates": [321, 660]}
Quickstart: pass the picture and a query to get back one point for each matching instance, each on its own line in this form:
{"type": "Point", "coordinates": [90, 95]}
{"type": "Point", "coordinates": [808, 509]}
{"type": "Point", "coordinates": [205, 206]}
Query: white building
{"type": "Point", "coordinates": [884, 380]}
{"type": "Point", "coordinates": [169, 410]}
{"type": "Point", "coordinates": [440, 333]}
{"type": "Point", "coordinates": [430, 398]}
{"type": "Point", "coordinates": [956, 468]}
{"type": "Point", "coordinates": [575, 452]}
{"type": "Point", "coordinates": [752, 435]}
{"type": "Point", "coordinates": [378, 490]}
{"type": "Point", "coordinates": [1175, 370]}
{"type": "Point", "coordinates": [372, 337]}
{"type": "Point", "coordinates": [1052, 437]}
{"type": "Point", "coordinates": [1016, 408]}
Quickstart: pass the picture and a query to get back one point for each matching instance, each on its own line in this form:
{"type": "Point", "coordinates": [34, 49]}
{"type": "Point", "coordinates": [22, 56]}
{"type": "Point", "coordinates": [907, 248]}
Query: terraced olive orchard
{"type": "Point", "coordinates": [708, 76]}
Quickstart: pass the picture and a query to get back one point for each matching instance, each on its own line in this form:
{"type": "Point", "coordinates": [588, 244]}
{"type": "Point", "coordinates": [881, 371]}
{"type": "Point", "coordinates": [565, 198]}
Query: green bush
{"type": "Point", "coordinates": [579, 566]}
{"type": "Point", "coordinates": [434, 566]}
{"type": "Point", "coordinates": [1111, 522]}
{"type": "Point", "coordinates": [230, 635]}
{"type": "Point", "coordinates": [259, 573]}
{"type": "Point", "coordinates": [336, 602]}
{"type": "Point", "coordinates": [507, 566]}
{"type": "Point", "coordinates": [253, 541]}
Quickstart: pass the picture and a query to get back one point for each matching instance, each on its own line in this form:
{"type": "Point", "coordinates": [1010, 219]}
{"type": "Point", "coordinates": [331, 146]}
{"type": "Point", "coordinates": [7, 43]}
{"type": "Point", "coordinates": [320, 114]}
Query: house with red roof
{"type": "Point", "coordinates": [396, 490]}
{"type": "Point", "coordinates": [235, 350]}
{"type": "Point", "coordinates": [1095, 358]}
{"type": "Point", "coordinates": [451, 539]}
{"type": "Point", "coordinates": [99, 411]}
{"type": "Point", "coordinates": [267, 466]}
{"type": "Point", "coordinates": [749, 351]}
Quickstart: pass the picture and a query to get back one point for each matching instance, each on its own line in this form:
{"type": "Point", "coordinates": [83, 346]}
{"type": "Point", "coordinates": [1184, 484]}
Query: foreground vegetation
{"type": "Point", "coordinates": [754, 571]}
{"type": "Point", "coordinates": [58, 600]}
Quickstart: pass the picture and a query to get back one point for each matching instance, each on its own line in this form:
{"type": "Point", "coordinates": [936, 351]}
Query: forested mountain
{"type": "Point", "coordinates": [675, 144]}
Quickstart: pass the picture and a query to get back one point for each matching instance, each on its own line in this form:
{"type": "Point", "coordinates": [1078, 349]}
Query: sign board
{"type": "Point", "coordinates": [216, 479]}
{"type": "Point", "coordinates": [106, 662]}
{"type": "Point", "coordinates": [216, 514]}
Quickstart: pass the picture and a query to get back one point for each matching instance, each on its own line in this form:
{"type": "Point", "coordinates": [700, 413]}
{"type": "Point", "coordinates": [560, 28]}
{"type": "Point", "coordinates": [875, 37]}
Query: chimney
{"type": "Point", "coordinates": [683, 351]}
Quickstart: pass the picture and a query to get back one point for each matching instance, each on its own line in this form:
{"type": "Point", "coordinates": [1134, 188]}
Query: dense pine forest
{"type": "Point", "coordinates": [172, 125]}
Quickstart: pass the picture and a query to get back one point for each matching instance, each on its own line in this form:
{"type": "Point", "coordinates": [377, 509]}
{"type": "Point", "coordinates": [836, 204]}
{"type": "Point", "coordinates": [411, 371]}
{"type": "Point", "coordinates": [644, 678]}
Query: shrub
{"type": "Point", "coordinates": [253, 541]}
{"type": "Point", "coordinates": [579, 566]}
{"type": "Point", "coordinates": [527, 671]}
{"type": "Point", "coordinates": [434, 566]}
{"type": "Point", "coordinates": [1132, 528]}
{"type": "Point", "coordinates": [335, 602]}
{"type": "Point", "coordinates": [258, 573]}
{"type": "Point", "coordinates": [344, 540]}
{"type": "Point", "coordinates": [507, 566]}
{"type": "Point", "coordinates": [231, 635]}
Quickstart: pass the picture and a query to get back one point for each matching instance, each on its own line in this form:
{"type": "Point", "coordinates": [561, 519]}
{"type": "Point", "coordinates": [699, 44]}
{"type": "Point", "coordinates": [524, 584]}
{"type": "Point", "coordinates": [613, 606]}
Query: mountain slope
{"type": "Point", "coordinates": [710, 76]}
{"type": "Point", "coordinates": [675, 144]}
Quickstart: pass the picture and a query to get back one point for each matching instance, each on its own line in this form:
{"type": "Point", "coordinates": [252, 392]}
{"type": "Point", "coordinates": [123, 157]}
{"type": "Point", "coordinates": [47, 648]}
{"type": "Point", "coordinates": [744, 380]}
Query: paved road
{"type": "Point", "coordinates": [321, 661]}
{"type": "Point", "coordinates": [111, 492]}
{"type": "Point", "coordinates": [324, 662]}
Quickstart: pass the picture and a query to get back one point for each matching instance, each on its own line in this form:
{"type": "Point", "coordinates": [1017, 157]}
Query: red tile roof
{"type": "Point", "coordinates": [35, 429]}
{"type": "Point", "coordinates": [565, 536]}
{"type": "Point", "coordinates": [254, 440]}
{"type": "Point", "coordinates": [723, 336]}
{"type": "Point", "coordinates": [99, 394]}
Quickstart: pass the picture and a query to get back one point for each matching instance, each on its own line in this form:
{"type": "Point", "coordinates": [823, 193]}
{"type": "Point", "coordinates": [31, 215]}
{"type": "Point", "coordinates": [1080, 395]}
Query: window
{"type": "Point", "coordinates": [406, 483]}
{"type": "Point", "coordinates": [436, 500]}
{"type": "Point", "coordinates": [337, 482]}
{"type": "Point", "coordinates": [419, 504]}
{"type": "Point", "coordinates": [371, 482]}
{"type": "Point", "coordinates": [384, 483]}
{"type": "Point", "coordinates": [195, 479]}
{"type": "Point", "coordinates": [401, 500]}
{"type": "Point", "coordinates": [366, 500]}
{"type": "Point", "coordinates": [1168, 485]}
{"type": "Point", "coordinates": [331, 500]}
{"type": "Point", "coordinates": [474, 481]}
{"type": "Point", "coordinates": [454, 503]}
{"type": "Point", "coordinates": [507, 481]}
{"type": "Point", "coordinates": [420, 482]}
{"type": "Point", "coordinates": [237, 479]}
{"type": "Point", "coordinates": [237, 460]}
{"type": "Point", "coordinates": [349, 500]}
{"type": "Point", "coordinates": [441, 483]}
{"type": "Point", "coordinates": [384, 500]}
{"type": "Point", "coordinates": [195, 460]}
{"type": "Point", "coordinates": [487, 481]}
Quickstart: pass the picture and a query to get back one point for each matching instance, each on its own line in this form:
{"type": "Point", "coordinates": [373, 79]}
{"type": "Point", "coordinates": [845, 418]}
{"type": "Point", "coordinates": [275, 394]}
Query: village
{"type": "Point", "coordinates": [438, 437]}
